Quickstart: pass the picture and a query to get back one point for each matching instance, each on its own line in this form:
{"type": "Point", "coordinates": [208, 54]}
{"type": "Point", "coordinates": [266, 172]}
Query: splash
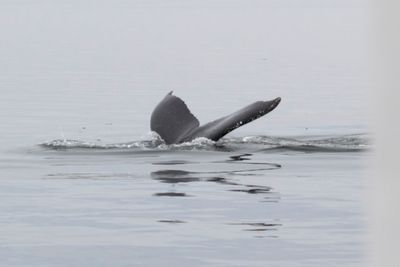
{"type": "Point", "coordinates": [326, 143]}
{"type": "Point", "coordinates": [153, 142]}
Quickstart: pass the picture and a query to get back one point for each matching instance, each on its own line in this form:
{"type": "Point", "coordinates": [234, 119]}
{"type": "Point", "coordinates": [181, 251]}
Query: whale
{"type": "Point", "coordinates": [174, 123]}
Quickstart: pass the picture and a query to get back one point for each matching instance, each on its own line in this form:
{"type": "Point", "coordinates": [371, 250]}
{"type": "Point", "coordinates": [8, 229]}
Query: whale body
{"type": "Point", "coordinates": [175, 124]}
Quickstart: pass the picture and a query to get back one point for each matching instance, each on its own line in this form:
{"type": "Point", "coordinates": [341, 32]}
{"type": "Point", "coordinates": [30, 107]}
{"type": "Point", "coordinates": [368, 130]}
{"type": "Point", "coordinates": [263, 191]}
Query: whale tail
{"type": "Point", "coordinates": [174, 122]}
{"type": "Point", "coordinates": [172, 119]}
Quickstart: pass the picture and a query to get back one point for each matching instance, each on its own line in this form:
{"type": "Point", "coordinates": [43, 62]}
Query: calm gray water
{"type": "Point", "coordinates": [84, 182]}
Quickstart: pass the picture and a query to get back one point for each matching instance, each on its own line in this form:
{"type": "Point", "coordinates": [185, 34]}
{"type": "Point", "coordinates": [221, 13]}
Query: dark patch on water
{"type": "Point", "coordinates": [171, 194]}
{"type": "Point", "coordinates": [183, 176]}
{"type": "Point", "coordinates": [241, 157]}
{"type": "Point", "coordinates": [221, 180]}
{"type": "Point", "coordinates": [171, 173]}
{"type": "Point", "coordinates": [173, 162]}
{"type": "Point", "coordinates": [187, 176]}
{"type": "Point", "coordinates": [260, 190]}
{"type": "Point", "coordinates": [259, 230]}
{"type": "Point", "coordinates": [258, 224]}
{"type": "Point", "coordinates": [178, 176]}
{"type": "Point", "coordinates": [171, 221]}
{"type": "Point", "coordinates": [173, 176]}
{"type": "Point", "coordinates": [258, 227]}
{"type": "Point", "coordinates": [261, 226]}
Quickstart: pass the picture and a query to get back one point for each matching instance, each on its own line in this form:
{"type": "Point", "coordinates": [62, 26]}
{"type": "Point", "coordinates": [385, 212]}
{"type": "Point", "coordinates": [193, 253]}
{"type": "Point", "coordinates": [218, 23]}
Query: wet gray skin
{"type": "Point", "coordinates": [174, 122]}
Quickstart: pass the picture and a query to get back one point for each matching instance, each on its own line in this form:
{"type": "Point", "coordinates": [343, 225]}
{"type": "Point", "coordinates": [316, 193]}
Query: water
{"type": "Point", "coordinates": [84, 183]}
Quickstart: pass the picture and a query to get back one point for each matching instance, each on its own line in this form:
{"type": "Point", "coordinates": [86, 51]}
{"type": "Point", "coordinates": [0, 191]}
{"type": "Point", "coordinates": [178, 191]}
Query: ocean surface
{"type": "Point", "coordinates": [83, 181]}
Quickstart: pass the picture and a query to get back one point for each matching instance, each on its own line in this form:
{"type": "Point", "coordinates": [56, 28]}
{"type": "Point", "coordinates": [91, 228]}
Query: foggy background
{"type": "Point", "coordinates": [104, 65]}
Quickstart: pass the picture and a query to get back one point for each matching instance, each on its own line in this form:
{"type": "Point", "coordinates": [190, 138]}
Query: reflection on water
{"type": "Point", "coordinates": [256, 190]}
{"type": "Point", "coordinates": [241, 157]}
{"type": "Point", "coordinates": [171, 194]}
{"type": "Point", "coordinates": [226, 179]}
{"type": "Point", "coordinates": [229, 173]}
{"type": "Point", "coordinates": [181, 176]}
{"type": "Point", "coordinates": [190, 199]}
{"type": "Point", "coordinates": [171, 221]}
{"type": "Point", "coordinates": [259, 226]}
{"type": "Point", "coordinates": [174, 176]}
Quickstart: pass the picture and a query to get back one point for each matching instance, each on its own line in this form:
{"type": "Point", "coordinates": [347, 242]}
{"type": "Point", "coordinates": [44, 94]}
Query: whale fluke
{"type": "Point", "coordinates": [174, 122]}
{"type": "Point", "coordinates": [172, 119]}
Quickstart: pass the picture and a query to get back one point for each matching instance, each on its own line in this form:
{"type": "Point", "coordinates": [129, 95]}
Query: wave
{"type": "Point", "coordinates": [325, 143]}
{"type": "Point", "coordinates": [154, 143]}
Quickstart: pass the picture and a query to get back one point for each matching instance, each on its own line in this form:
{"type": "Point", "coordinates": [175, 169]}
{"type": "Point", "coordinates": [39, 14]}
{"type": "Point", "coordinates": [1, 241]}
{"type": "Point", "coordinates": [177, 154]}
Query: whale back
{"type": "Point", "coordinates": [172, 120]}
